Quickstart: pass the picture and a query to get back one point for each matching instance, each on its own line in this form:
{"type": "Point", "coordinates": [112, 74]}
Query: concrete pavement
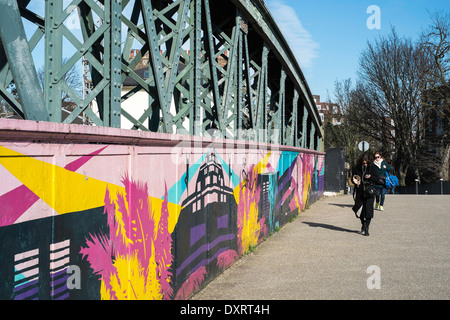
{"type": "Point", "coordinates": [322, 255]}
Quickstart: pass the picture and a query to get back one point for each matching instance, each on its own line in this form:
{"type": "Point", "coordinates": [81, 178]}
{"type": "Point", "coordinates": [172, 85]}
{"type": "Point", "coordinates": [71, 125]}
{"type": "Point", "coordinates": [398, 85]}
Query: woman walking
{"type": "Point", "coordinates": [380, 166]}
{"type": "Point", "coordinates": [367, 175]}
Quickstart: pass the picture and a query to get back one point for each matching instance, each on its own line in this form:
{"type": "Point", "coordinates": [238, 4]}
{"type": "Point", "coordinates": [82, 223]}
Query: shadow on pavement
{"type": "Point", "coordinates": [330, 227]}
{"type": "Point", "coordinates": [341, 205]}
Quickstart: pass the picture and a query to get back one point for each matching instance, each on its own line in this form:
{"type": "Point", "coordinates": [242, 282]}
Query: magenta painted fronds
{"type": "Point", "coordinates": [132, 237]}
{"type": "Point", "coordinates": [163, 248]}
{"type": "Point", "coordinates": [139, 224]}
{"type": "Point", "coordinates": [115, 234]}
{"type": "Point", "coordinates": [99, 252]}
{"type": "Point", "coordinates": [192, 284]}
{"type": "Point", "coordinates": [226, 259]}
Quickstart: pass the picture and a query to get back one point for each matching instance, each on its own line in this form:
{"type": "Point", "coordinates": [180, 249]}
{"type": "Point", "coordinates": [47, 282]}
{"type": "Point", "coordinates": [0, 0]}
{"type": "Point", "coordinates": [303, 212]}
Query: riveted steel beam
{"type": "Point", "coordinates": [53, 48]}
{"type": "Point", "coordinates": [304, 139]}
{"type": "Point", "coordinates": [202, 67]}
{"type": "Point", "coordinates": [114, 65]}
{"type": "Point", "coordinates": [294, 121]}
{"type": "Point", "coordinates": [198, 116]}
{"type": "Point", "coordinates": [262, 121]}
{"type": "Point", "coordinates": [265, 25]}
{"type": "Point", "coordinates": [212, 63]}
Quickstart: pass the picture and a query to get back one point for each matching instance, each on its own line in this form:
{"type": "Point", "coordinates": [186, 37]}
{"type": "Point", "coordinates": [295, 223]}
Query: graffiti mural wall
{"type": "Point", "coordinates": [154, 218]}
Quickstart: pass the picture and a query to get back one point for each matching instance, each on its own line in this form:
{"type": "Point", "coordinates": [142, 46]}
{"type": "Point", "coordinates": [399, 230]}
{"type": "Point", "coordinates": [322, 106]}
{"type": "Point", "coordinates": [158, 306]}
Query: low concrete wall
{"type": "Point", "coordinates": [102, 213]}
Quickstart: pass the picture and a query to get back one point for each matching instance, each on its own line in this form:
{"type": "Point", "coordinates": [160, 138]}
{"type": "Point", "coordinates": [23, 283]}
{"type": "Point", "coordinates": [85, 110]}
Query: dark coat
{"type": "Point", "coordinates": [381, 171]}
{"type": "Point", "coordinates": [360, 199]}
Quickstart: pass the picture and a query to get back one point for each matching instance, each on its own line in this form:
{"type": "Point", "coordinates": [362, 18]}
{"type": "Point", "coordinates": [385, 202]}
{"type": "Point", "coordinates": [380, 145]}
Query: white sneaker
{"type": "Point", "coordinates": [381, 208]}
{"type": "Point", "coordinates": [377, 206]}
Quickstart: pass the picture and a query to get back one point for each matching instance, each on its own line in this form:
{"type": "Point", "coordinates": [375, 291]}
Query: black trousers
{"type": "Point", "coordinates": [365, 221]}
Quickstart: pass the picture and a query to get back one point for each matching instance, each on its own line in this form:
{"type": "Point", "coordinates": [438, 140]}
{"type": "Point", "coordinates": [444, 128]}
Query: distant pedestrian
{"type": "Point", "coordinates": [381, 166]}
{"type": "Point", "coordinates": [366, 176]}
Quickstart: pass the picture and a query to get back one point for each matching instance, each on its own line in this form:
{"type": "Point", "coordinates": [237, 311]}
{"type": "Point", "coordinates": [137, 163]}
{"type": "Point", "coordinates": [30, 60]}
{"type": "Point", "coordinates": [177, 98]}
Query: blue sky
{"type": "Point", "coordinates": [327, 36]}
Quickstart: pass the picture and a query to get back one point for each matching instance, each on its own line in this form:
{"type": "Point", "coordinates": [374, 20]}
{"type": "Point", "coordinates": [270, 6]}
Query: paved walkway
{"type": "Point", "coordinates": [322, 255]}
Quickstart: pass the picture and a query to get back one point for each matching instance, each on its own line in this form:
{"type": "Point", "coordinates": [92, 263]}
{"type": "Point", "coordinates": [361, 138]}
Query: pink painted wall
{"type": "Point", "coordinates": [140, 215]}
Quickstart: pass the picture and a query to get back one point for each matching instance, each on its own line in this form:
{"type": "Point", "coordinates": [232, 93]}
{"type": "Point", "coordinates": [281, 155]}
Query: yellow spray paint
{"type": "Point", "coordinates": [66, 191]}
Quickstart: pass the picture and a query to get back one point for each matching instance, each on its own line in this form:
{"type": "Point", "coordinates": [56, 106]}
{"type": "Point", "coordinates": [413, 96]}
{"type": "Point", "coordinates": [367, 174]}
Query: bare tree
{"type": "Point", "coordinates": [435, 40]}
{"type": "Point", "coordinates": [346, 135]}
{"type": "Point", "coordinates": [388, 97]}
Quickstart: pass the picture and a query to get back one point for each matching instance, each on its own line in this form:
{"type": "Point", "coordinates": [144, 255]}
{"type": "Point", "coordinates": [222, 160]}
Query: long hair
{"type": "Point", "coordinates": [360, 170]}
{"type": "Point", "coordinates": [362, 158]}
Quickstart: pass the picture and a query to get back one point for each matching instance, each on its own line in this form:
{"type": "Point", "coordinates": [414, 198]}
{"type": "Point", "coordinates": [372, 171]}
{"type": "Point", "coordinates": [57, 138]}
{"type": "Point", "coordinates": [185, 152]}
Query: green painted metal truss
{"type": "Point", "coordinates": [206, 67]}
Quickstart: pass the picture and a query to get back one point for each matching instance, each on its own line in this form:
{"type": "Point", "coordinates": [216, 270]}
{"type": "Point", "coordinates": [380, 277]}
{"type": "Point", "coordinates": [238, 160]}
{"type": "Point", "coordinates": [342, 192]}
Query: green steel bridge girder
{"type": "Point", "coordinates": [14, 47]}
{"type": "Point", "coordinates": [215, 68]}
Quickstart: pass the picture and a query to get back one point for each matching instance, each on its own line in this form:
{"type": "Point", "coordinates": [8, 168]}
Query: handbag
{"type": "Point", "coordinates": [369, 189]}
{"type": "Point", "coordinates": [391, 180]}
{"type": "Point", "coordinates": [388, 182]}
